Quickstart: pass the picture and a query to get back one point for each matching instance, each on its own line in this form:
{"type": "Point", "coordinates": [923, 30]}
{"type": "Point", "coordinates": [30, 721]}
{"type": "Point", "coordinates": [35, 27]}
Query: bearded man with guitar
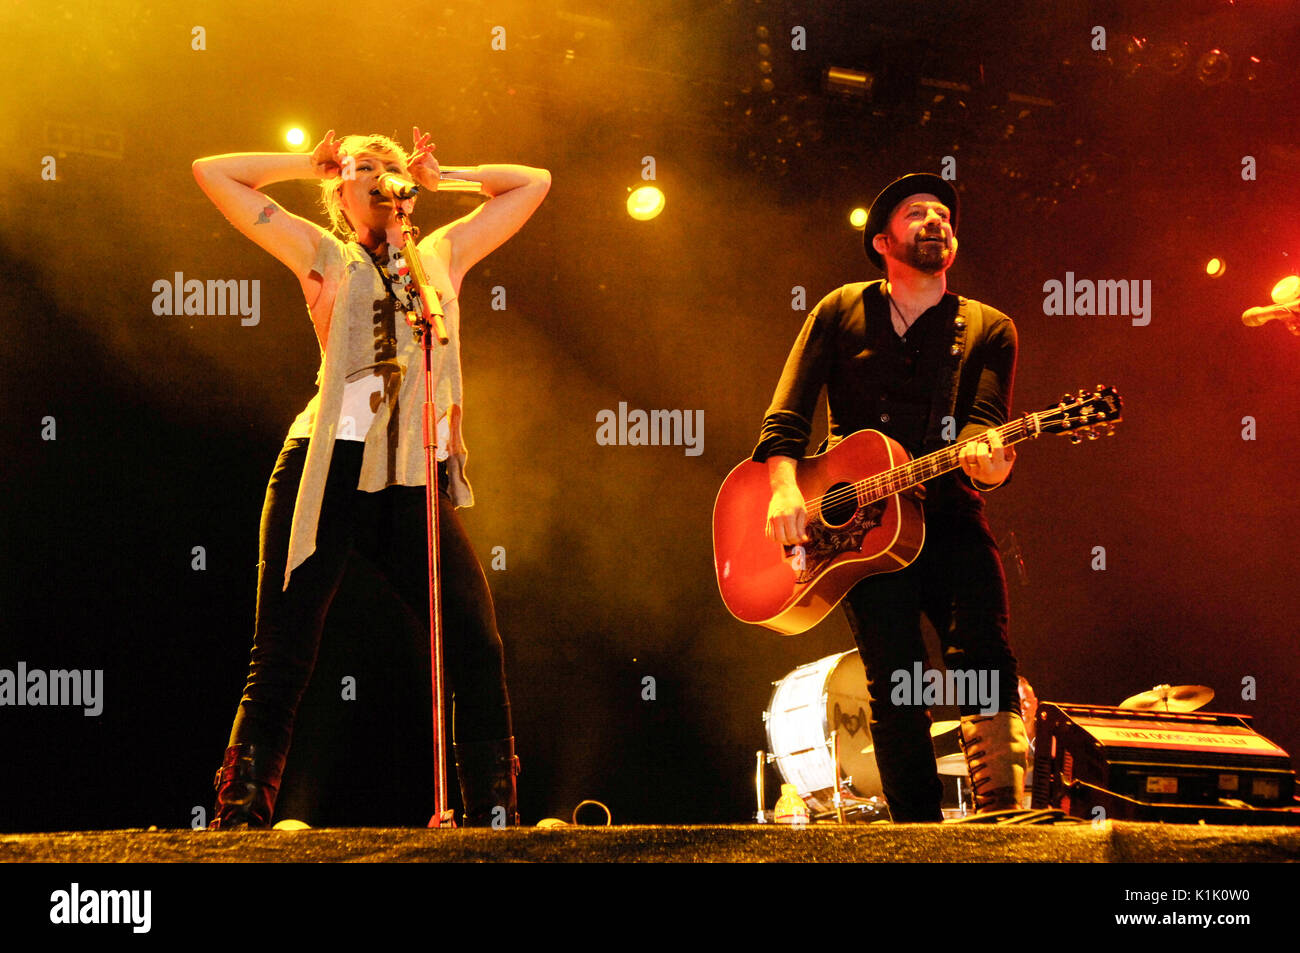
{"type": "Point", "coordinates": [930, 370]}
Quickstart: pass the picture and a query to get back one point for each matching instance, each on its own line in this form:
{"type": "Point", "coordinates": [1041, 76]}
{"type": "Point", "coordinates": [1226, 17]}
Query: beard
{"type": "Point", "coordinates": [928, 257]}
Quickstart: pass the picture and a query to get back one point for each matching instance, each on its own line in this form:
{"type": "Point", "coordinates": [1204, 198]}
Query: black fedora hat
{"type": "Point", "coordinates": [916, 183]}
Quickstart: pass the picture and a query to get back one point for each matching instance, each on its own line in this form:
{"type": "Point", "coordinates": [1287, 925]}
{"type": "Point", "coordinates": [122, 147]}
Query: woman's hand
{"type": "Point", "coordinates": [423, 166]}
{"type": "Point", "coordinates": [325, 160]}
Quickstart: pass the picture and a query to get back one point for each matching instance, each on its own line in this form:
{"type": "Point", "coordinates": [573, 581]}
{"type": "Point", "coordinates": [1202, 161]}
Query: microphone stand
{"type": "Point", "coordinates": [430, 319]}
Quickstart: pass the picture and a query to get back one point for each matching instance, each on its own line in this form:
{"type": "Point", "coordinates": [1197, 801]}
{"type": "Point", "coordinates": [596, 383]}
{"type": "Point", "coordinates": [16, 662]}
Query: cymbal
{"type": "Point", "coordinates": [1170, 698]}
{"type": "Point", "coordinates": [953, 765]}
{"type": "Point", "coordinates": [937, 729]}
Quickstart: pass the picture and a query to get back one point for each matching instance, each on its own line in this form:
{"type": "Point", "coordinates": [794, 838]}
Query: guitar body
{"type": "Point", "coordinates": [790, 592]}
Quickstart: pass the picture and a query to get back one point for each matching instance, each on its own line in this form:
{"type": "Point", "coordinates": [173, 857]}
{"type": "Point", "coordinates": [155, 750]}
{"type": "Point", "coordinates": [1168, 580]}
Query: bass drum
{"type": "Point", "coordinates": [829, 695]}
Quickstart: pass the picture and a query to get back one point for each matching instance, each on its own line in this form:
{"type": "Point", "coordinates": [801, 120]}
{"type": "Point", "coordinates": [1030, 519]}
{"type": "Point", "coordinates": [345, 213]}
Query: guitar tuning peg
{"type": "Point", "coordinates": [1075, 437]}
{"type": "Point", "coordinates": [956, 350]}
{"type": "Point", "coordinates": [1093, 435]}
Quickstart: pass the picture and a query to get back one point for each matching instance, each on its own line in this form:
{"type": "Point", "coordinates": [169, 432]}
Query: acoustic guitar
{"type": "Point", "coordinates": [858, 523]}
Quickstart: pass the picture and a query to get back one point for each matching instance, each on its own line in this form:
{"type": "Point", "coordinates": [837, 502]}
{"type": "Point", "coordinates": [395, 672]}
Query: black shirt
{"type": "Point", "coordinates": [900, 386]}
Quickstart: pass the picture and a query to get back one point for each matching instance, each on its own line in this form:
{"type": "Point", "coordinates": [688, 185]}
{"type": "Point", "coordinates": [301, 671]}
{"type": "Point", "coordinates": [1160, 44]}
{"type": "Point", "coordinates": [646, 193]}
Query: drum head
{"type": "Point", "coordinates": [807, 705]}
{"type": "Point", "coordinates": [848, 713]}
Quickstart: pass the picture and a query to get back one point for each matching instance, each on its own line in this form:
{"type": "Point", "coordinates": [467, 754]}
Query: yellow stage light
{"type": "Point", "coordinates": [296, 138]}
{"type": "Point", "coordinates": [1288, 289]}
{"type": "Point", "coordinates": [645, 203]}
{"type": "Point", "coordinates": [858, 217]}
{"type": "Point", "coordinates": [1215, 267]}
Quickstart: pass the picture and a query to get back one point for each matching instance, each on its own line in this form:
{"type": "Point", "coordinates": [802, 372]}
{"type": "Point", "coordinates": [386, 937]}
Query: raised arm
{"type": "Point", "coordinates": [514, 193]}
{"type": "Point", "coordinates": [233, 181]}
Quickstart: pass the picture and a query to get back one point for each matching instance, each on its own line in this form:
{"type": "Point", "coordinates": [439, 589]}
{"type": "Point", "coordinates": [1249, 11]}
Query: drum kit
{"type": "Point", "coordinates": [819, 737]}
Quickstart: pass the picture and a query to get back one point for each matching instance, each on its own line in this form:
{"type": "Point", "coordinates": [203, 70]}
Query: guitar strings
{"type": "Point", "coordinates": [903, 476]}
{"type": "Point", "coordinates": [882, 481]}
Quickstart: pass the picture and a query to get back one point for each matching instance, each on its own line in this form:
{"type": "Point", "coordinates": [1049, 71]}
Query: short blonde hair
{"type": "Point", "coordinates": [331, 189]}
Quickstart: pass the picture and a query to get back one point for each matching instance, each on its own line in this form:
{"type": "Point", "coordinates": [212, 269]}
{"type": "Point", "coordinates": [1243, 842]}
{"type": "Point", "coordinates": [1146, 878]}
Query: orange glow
{"type": "Point", "coordinates": [1215, 267]}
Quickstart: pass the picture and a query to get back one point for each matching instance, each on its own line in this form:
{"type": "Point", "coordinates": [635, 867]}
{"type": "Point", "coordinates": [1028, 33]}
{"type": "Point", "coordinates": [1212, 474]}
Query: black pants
{"type": "Point", "coordinates": [957, 581]}
{"type": "Point", "coordinates": [388, 527]}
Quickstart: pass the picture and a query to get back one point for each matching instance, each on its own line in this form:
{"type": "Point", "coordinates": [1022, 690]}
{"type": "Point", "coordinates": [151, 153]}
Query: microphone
{"type": "Point", "coordinates": [1254, 317]}
{"type": "Point", "coordinates": [396, 187]}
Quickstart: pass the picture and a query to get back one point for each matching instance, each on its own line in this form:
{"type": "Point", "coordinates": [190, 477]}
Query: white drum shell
{"type": "Point", "coordinates": [807, 705]}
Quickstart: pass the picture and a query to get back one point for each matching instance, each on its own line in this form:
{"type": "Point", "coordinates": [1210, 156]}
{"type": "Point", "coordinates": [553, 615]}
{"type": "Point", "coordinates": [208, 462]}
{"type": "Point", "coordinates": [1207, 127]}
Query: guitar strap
{"type": "Point", "coordinates": [967, 327]}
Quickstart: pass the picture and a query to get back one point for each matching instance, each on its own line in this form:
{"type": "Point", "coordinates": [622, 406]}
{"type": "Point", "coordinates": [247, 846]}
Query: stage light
{"type": "Point", "coordinates": [296, 138]}
{"type": "Point", "coordinates": [1286, 290]}
{"type": "Point", "coordinates": [1213, 67]}
{"type": "Point", "coordinates": [858, 217]}
{"type": "Point", "coordinates": [1215, 267]}
{"type": "Point", "coordinates": [765, 82]}
{"type": "Point", "coordinates": [848, 83]}
{"type": "Point", "coordinates": [645, 203]}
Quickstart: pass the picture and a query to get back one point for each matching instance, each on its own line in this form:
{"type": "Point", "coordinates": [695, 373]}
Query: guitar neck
{"type": "Point", "coordinates": [889, 482]}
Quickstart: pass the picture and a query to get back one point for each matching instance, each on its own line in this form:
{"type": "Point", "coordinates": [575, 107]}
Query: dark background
{"type": "Point", "coordinates": [1114, 165]}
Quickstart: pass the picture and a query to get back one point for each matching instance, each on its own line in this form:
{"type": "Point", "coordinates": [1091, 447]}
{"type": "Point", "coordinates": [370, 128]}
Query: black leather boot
{"type": "Point", "coordinates": [487, 771]}
{"type": "Point", "coordinates": [247, 784]}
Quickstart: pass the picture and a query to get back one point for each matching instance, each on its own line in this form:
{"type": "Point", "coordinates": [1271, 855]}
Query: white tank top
{"type": "Point", "coordinates": [356, 417]}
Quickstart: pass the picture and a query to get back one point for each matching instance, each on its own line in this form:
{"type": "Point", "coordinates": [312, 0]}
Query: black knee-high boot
{"type": "Point", "coordinates": [247, 785]}
{"type": "Point", "coordinates": [487, 771]}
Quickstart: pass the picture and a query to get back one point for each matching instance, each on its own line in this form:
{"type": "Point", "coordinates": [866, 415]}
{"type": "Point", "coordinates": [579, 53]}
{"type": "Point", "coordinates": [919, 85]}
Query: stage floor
{"type": "Point", "coordinates": [1111, 842]}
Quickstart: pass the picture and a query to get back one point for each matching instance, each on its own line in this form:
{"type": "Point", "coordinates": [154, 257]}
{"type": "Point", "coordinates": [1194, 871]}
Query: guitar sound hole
{"type": "Point", "coordinates": [840, 503]}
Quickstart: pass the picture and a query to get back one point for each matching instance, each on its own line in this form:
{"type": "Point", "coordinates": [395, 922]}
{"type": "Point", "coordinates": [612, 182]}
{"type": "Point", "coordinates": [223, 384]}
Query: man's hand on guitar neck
{"type": "Point", "coordinates": [986, 461]}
